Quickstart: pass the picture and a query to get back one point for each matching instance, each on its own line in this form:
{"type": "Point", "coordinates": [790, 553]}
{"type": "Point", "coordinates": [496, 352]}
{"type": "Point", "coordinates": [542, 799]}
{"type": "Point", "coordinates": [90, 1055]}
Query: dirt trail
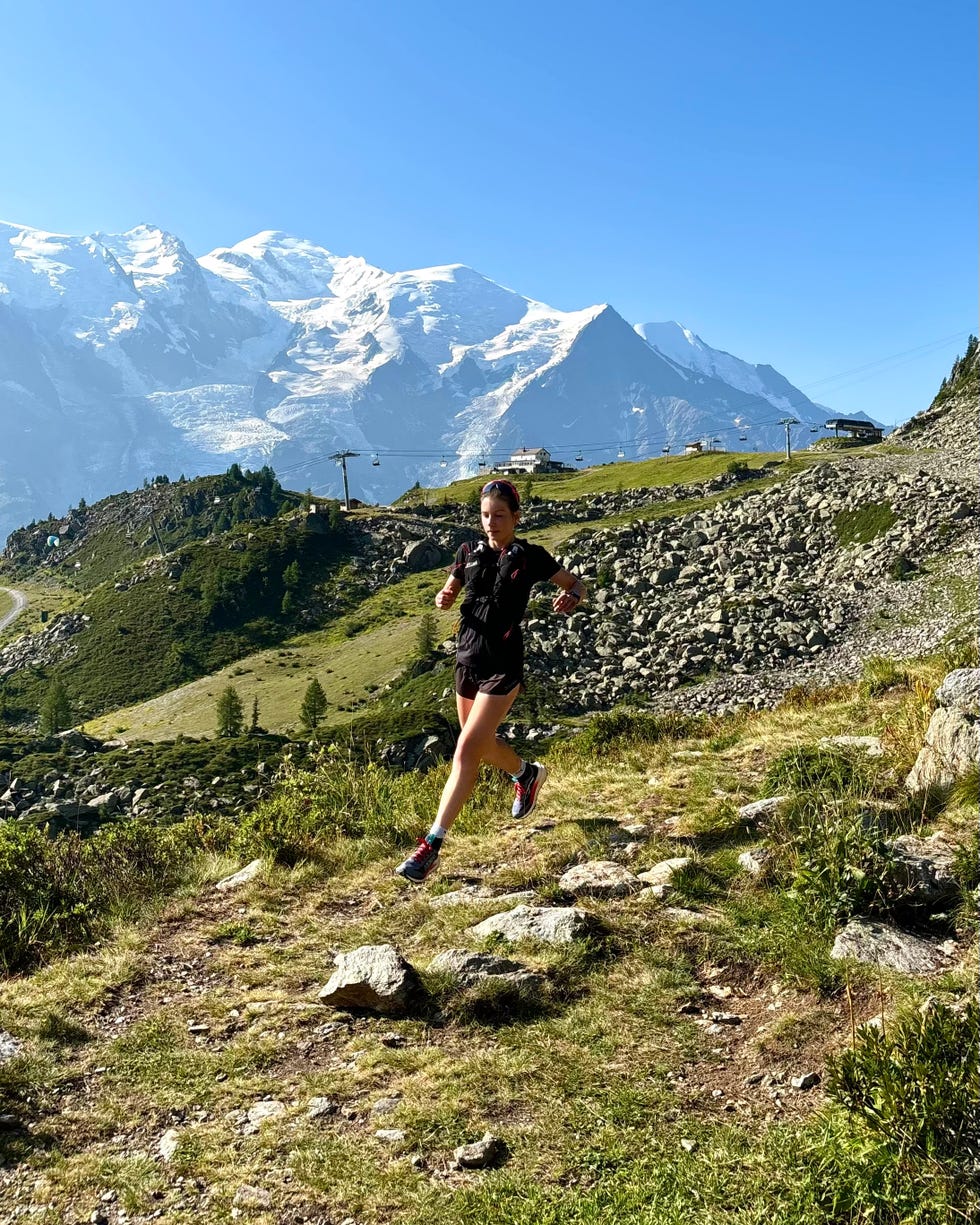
{"type": "Point", "coordinates": [20, 604]}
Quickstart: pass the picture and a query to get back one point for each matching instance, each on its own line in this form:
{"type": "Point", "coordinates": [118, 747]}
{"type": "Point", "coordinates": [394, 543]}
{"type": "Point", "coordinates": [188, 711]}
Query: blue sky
{"type": "Point", "coordinates": [796, 183]}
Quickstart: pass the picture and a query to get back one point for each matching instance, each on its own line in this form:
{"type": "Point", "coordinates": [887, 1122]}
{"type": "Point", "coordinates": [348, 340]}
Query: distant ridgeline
{"type": "Point", "coordinates": [951, 420]}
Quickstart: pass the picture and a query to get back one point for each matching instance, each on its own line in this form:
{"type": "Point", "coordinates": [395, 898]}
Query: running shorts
{"type": "Point", "coordinates": [470, 682]}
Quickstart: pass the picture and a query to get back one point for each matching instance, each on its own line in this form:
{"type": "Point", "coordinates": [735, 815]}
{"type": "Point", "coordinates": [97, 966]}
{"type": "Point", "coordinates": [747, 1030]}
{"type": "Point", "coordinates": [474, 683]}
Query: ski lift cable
{"type": "Point", "coordinates": [905, 355]}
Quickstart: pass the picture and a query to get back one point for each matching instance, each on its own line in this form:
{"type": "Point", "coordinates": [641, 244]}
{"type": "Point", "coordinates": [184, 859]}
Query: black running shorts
{"type": "Point", "coordinates": [469, 682]}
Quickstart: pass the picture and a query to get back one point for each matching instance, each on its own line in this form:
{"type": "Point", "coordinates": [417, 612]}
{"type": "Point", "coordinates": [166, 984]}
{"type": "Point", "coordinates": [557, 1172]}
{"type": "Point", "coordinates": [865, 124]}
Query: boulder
{"type": "Point", "coordinates": [249, 872]}
{"type": "Point", "coordinates": [760, 809]}
{"type": "Point", "coordinates": [881, 944]}
{"type": "Point", "coordinates": [481, 1153]}
{"type": "Point", "coordinates": [422, 555]}
{"type": "Point", "coordinates": [921, 872]}
{"type": "Point", "coordinates": [599, 878]}
{"type": "Point", "coordinates": [951, 748]}
{"type": "Point", "coordinates": [550, 924]}
{"type": "Point", "coordinates": [754, 861]}
{"type": "Point", "coordinates": [374, 977]}
{"type": "Point", "coordinates": [472, 968]}
{"type": "Point", "coordinates": [960, 691]}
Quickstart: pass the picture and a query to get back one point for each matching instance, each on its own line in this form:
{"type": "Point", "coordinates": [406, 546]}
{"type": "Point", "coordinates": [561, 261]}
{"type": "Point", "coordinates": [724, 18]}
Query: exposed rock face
{"type": "Point", "coordinates": [374, 977]}
{"type": "Point", "coordinates": [553, 925]}
{"type": "Point", "coordinates": [881, 944]}
{"type": "Point", "coordinates": [952, 743]}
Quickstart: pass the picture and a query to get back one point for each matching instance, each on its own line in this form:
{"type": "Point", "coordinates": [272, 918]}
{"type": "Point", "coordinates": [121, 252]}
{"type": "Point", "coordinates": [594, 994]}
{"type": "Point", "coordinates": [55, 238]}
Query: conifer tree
{"type": "Point", "coordinates": [254, 724]}
{"type": "Point", "coordinates": [231, 717]}
{"type": "Point", "coordinates": [425, 636]}
{"type": "Point", "coordinates": [55, 713]}
{"type": "Point", "coordinates": [314, 706]}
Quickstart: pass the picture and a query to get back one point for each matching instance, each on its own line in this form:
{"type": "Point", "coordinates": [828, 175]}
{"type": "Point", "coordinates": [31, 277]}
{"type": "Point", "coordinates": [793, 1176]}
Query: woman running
{"type": "Point", "coordinates": [497, 575]}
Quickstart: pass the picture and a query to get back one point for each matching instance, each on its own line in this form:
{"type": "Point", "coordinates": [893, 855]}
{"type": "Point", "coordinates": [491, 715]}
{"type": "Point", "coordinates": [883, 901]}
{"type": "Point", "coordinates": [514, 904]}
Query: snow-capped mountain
{"type": "Point", "coordinates": [123, 356]}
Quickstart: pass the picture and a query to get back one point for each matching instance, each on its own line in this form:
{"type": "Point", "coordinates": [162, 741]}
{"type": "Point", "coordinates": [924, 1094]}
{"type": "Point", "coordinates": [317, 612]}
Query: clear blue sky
{"type": "Point", "coordinates": [797, 183]}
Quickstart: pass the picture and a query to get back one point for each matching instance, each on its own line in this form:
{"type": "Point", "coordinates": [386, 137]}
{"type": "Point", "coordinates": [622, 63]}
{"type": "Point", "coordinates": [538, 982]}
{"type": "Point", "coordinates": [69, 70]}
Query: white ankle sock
{"type": "Point", "coordinates": [436, 832]}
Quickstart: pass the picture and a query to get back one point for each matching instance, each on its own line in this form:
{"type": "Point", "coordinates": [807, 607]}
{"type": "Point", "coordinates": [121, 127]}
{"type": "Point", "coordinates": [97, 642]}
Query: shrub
{"type": "Point", "coordinates": [831, 771]}
{"type": "Point", "coordinates": [830, 852]}
{"type": "Point", "coordinates": [56, 893]}
{"type": "Point", "coordinates": [879, 674]}
{"type": "Point", "coordinates": [916, 1086]}
{"type": "Point", "coordinates": [625, 726]}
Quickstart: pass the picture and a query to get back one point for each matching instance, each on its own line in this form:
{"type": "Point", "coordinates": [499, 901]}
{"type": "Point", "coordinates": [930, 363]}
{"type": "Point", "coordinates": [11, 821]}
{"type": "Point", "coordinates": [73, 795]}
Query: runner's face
{"type": "Point", "coordinates": [499, 521]}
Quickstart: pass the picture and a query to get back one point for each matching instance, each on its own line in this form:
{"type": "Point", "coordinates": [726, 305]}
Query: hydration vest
{"type": "Point", "coordinates": [494, 602]}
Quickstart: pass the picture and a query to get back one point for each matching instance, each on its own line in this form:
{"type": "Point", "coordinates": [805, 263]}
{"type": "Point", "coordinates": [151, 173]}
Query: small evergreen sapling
{"type": "Point", "coordinates": [55, 713]}
{"type": "Point", "coordinates": [314, 706]}
{"type": "Point", "coordinates": [231, 716]}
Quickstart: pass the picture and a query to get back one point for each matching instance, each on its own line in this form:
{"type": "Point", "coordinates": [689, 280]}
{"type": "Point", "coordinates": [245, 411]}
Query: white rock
{"type": "Point", "coordinates": [249, 872]}
{"type": "Point", "coordinates": [599, 878]}
{"type": "Point", "coordinates": [551, 924]}
{"type": "Point", "coordinates": [662, 873]}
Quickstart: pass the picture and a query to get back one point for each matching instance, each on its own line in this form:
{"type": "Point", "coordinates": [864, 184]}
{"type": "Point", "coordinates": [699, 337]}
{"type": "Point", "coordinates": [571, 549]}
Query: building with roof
{"type": "Point", "coordinates": [863, 431]}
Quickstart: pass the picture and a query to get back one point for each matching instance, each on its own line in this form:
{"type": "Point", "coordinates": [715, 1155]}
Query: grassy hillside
{"type": "Point", "coordinates": [648, 1078]}
{"type": "Point", "coordinates": [606, 478]}
{"type": "Point", "coordinates": [360, 652]}
{"type": "Point", "coordinates": [187, 615]}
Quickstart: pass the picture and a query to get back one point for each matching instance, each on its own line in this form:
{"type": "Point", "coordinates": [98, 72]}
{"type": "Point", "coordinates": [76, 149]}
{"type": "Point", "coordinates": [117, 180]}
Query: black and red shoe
{"type": "Point", "coordinates": [526, 794]}
{"type": "Point", "coordinates": [422, 860]}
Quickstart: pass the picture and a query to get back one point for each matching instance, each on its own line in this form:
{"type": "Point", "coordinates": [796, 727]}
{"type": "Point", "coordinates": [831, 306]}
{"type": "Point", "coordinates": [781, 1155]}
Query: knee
{"type": "Point", "coordinates": [469, 752]}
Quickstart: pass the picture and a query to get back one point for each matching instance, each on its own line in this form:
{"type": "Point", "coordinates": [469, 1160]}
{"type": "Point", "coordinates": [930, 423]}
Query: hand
{"type": "Point", "coordinates": [445, 599]}
{"type": "Point", "coordinates": [565, 603]}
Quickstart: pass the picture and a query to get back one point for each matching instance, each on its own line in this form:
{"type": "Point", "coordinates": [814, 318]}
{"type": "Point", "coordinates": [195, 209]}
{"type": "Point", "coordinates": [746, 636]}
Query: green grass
{"type": "Point", "coordinates": [864, 523]}
{"type": "Point", "coordinates": [593, 1084]}
{"type": "Point", "coordinates": [607, 478]}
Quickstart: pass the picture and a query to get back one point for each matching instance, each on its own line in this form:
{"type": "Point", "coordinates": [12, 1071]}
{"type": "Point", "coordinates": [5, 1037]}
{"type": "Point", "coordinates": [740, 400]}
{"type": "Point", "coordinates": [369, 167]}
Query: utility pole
{"type": "Point", "coordinates": [342, 457]}
{"type": "Point", "coordinates": [786, 422]}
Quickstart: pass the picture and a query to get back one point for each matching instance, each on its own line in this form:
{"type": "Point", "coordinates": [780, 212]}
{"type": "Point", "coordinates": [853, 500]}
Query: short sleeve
{"type": "Point", "coordinates": [541, 564]}
{"type": "Point", "coordinates": [458, 569]}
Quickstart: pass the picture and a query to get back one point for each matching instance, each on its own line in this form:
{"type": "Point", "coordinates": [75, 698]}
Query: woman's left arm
{"type": "Point", "coordinates": [572, 591]}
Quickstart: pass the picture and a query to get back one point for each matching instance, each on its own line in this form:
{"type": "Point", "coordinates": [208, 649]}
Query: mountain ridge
{"type": "Point", "coordinates": [143, 359]}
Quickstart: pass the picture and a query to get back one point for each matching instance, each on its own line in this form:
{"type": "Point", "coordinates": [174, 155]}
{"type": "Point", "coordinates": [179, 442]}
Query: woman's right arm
{"type": "Point", "coordinates": [447, 597]}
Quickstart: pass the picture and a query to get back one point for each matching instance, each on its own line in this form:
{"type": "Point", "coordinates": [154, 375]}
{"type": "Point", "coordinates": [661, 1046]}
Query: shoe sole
{"type": "Point", "coordinates": [414, 880]}
{"type": "Point", "coordinates": [539, 782]}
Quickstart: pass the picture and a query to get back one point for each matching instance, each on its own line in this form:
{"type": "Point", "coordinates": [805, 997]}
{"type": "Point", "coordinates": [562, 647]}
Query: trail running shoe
{"type": "Point", "coordinates": [421, 861]}
{"type": "Point", "coordinates": [526, 794]}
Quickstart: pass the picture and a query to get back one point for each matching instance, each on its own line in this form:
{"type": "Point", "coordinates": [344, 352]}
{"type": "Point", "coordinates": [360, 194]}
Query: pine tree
{"type": "Point", "coordinates": [55, 713]}
{"type": "Point", "coordinates": [314, 706]}
{"type": "Point", "coordinates": [425, 636]}
{"type": "Point", "coordinates": [231, 717]}
{"type": "Point", "coordinates": [254, 724]}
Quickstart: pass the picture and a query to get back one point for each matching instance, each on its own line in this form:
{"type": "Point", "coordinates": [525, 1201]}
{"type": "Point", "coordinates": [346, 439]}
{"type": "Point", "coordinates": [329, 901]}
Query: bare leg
{"type": "Point", "coordinates": [498, 753]}
{"type": "Point", "coordinates": [477, 743]}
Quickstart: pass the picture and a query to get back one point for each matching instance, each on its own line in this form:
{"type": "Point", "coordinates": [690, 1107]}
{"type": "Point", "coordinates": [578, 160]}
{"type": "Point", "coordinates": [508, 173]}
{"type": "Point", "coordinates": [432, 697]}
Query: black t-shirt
{"type": "Point", "coordinates": [497, 588]}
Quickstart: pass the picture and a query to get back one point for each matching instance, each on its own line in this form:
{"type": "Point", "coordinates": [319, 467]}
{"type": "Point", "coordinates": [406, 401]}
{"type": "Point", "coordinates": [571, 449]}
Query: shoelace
{"type": "Point", "coordinates": [423, 849]}
{"type": "Point", "coordinates": [522, 788]}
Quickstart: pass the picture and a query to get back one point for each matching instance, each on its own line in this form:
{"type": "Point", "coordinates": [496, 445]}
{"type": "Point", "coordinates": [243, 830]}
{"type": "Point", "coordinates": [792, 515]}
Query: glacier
{"type": "Point", "coordinates": [124, 356]}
